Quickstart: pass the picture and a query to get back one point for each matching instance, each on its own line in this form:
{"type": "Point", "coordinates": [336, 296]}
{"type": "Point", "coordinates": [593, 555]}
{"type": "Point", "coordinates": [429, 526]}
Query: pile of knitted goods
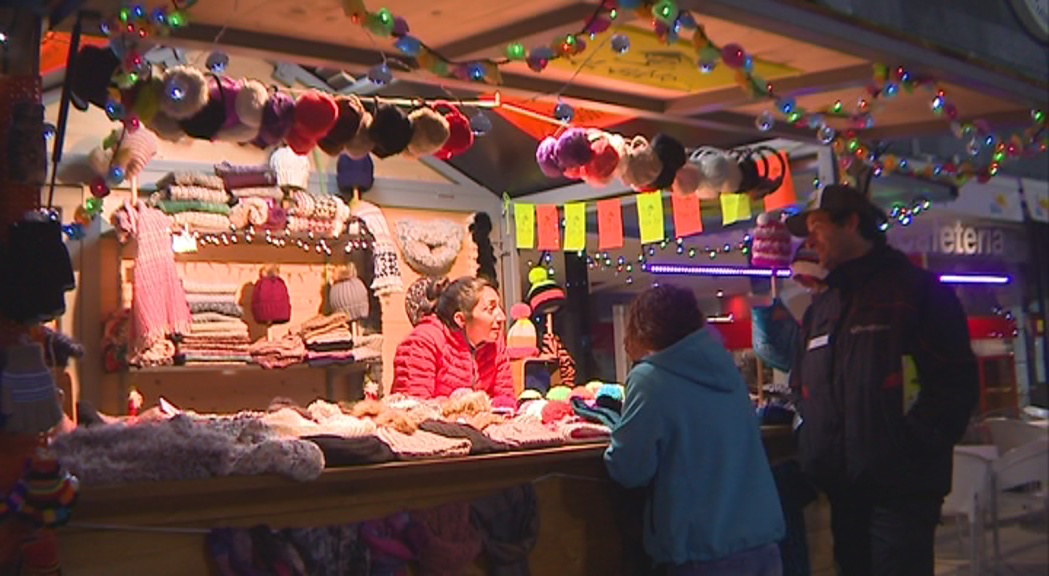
{"type": "Point", "coordinates": [557, 409]}
{"type": "Point", "coordinates": [194, 201]}
{"type": "Point", "coordinates": [280, 353]}
{"type": "Point", "coordinates": [255, 195]}
{"type": "Point", "coordinates": [328, 339]}
{"type": "Point", "coordinates": [323, 215]}
{"type": "Point", "coordinates": [503, 528]}
{"type": "Point", "coordinates": [217, 332]}
{"type": "Point", "coordinates": [185, 446]}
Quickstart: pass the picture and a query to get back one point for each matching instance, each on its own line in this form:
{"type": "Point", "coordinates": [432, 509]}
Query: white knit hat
{"type": "Point", "coordinates": [292, 170]}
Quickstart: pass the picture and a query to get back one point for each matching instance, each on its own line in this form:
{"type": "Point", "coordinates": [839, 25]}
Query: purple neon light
{"type": "Point", "coordinates": [974, 279]}
{"type": "Point", "coordinates": [687, 270]}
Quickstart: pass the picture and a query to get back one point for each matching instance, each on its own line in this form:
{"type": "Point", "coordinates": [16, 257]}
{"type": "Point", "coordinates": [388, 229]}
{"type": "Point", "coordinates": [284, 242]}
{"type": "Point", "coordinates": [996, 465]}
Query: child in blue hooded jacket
{"type": "Point", "coordinates": [689, 433]}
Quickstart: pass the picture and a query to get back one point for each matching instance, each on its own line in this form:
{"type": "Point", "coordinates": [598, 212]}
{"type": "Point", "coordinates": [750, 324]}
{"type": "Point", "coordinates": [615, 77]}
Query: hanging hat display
{"type": "Point", "coordinates": [89, 79]}
{"type": "Point", "coordinates": [671, 154]}
{"type": "Point", "coordinates": [354, 174]}
{"type": "Point", "coordinates": [429, 131]}
{"type": "Point", "coordinates": [345, 128]}
{"type": "Point", "coordinates": [315, 114]}
{"type": "Point", "coordinates": [460, 135]}
{"type": "Point", "coordinates": [36, 269]}
{"type": "Point", "coordinates": [642, 166]}
{"type": "Point", "coordinates": [277, 117]}
{"type": "Point", "coordinates": [291, 168]}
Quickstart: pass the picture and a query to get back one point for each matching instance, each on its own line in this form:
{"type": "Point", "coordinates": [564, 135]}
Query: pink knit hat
{"type": "Point", "coordinates": [772, 248]}
{"type": "Point", "coordinates": [422, 444]}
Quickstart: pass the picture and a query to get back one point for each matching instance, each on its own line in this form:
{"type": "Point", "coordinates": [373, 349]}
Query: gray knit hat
{"type": "Point", "coordinates": [350, 296]}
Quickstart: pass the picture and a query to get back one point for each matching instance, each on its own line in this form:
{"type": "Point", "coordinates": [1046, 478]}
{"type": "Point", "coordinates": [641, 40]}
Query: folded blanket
{"type": "Point", "coordinates": [180, 206]}
{"type": "Point", "coordinates": [225, 298]}
{"type": "Point", "coordinates": [479, 443]}
{"type": "Point", "coordinates": [200, 193]}
{"type": "Point", "coordinates": [422, 444]}
{"type": "Point", "coordinates": [229, 327]}
{"type": "Point", "coordinates": [197, 287]}
{"type": "Point", "coordinates": [583, 432]}
{"type": "Point", "coordinates": [338, 334]}
{"type": "Point", "coordinates": [523, 434]}
{"type": "Point", "coordinates": [323, 324]}
{"type": "Point", "coordinates": [224, 308]}
{"type": "Point", "coordinates": [345, 355]}
{"type": "Point", "coordinates": [236, 176]}
{"type": "Point", "coordinates": [201, 221]}
{"type": "Point", "coordinates": [204, 317]}
{"type": "Point", "coordinates": [278, 353]}
{"type": "Point", "coordinates": [228, 358]}
{"type": "Point", "coordinates": [333, 346]}
{"type": "Point", "coordinates": [270, 192]}
{"type": "Point", "coordinates": [191, 179]}
{"type": "Point", "coordinates": [216, 338]}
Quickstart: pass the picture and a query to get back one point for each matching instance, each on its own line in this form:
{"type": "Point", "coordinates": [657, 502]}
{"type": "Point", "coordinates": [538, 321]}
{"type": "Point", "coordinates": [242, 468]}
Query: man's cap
{"type": "Point", "coordinates": [836, 200]}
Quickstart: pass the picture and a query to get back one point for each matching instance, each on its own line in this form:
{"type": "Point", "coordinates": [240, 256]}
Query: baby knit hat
{"type": "Point", "coordinates": [772, 244]}
{"type": "Point", "coordinates": [807, 263]}
{"type": "Point", "coordinates": [270, 302]}
{"type": "Point", "coordinates": [544, 295]}
{"type": "Point", "coordinates": [292, 169]}
{"type": "Point", "coordinates": [521, 338]}
{"type": "Point", "coordinates": [349, 296]}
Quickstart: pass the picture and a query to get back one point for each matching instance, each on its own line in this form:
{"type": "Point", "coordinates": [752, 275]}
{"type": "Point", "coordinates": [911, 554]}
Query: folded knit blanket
{"type": "Point", "coordinates": [335, 339]}
{"type": "Point", "coordinates": [180, 206]}
{"type": "Point", "coordinates": [523, 434]}
{"type": "Point", "coordinates": [236, 176]}
{"type": "Point", "coordinates": [201, 221]}
{"type": "Point", "coordinates": [196, 357]}
{"type": "Point", "coordinates": [184, 447]}
{"type": "Point", "coordinates": [422, 444]}
{"type": "Point", "coordinates": [323, 324]}
{"type": "Point", "coordinates": [216, 339]}
{"type": "Point", "coordinates": [250, 211]}
{"type": "Point", "coordinates": [226, 168]}
{"type": "Point", "coordinates": [197, 287]}
{"type": "Point", "coordinates": [281, 353]}
{"type": "Point", "coordinates": [200, 193]}
{"type": "Point", "coordinates": [266, 192]}
{"type": "Point", "coordinates": [229, 327]}
{"type": "Point", "coordinates": [224, 308]}
{"type": "Point", "coordinates": [204, 317]}
{"type": "Point", "coordinates": [479, 443]}
{"type": "Point", "coordinates": [224, 298]}
{"type": "Point", "coordinates": [582, 432]}
{"type": "Point", "coordinates": [345, 355]}
{"type": "Point", "coordinates": [191, 179]}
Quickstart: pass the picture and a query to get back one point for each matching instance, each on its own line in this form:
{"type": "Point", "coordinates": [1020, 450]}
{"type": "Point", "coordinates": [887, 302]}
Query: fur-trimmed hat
{"type": "Point", "coordinates": [345, 127]}
{"type": "Point", "coordinates": [390, 130]}
{"type": "Point", "coordinates": [429, 131]}
{"type": "Point", "coordinates": [185, 92]}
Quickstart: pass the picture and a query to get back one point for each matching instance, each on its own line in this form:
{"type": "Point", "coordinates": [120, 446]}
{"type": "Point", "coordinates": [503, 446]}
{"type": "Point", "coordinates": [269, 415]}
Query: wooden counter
{"type": "Point", "coordinates": [121, 530]}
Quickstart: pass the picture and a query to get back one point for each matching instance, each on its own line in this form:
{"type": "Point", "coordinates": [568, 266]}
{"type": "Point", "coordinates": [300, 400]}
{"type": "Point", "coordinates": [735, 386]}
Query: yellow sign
{"type": "Point", "coordinates": [734, 208]}
{"type": "Point", "coordinates": [650, 217]}
{"type": "Point", "coordinates": [575, 227]}
{"type": "Point", "coordinates": [524, 219]}
{"type": "Point", "coordinates": [912, 385]}
{"type": "Point", "coordinates": [652, 63]}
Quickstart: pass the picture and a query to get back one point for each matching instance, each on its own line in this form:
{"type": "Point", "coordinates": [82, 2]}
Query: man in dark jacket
{"type": "Point", "coordinates": [886, 383]}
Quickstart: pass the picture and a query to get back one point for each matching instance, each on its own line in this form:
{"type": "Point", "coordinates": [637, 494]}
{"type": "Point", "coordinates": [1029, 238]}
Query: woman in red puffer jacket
{"type": "Point", "coordinates": [459, 345]}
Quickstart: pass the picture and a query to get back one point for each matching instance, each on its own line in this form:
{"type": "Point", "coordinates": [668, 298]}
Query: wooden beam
{"type": "Point", "coordinates": [826, 28]}
{"type": "Point", "coordinates": [998, 121]}
{"type": "Point", "coordinates": [269, 47]}
{"type": "Point", "coordinates": [569, 17]}
{"type": "Point", "coordinates": [731, 96]}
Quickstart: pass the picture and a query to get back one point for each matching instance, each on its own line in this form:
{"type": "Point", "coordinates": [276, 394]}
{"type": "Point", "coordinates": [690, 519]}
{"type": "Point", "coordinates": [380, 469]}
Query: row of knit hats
{"type": "Point", "coordinates": [598, 157]}
{"type": "Point", "coordinates": [184, 101]}
{"type": "Point", "coordinates": [271, 302]}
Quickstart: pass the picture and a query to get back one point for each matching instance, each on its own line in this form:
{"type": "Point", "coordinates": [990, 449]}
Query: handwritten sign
{"type": "Point", "coordinates": [650, 217]}
{"type": "Point", "coordinates": [575, 227]}
{"type": "Point", "coordinates": [549, 225]}
{"type": "Point", "coordinates": [524, 221]}
{"type": "Point", "coordinates": [734, 208]}
{"type": "Point", "coordinates": [609, 224]}
{"type": "Point", "coordinates": [688, 220]}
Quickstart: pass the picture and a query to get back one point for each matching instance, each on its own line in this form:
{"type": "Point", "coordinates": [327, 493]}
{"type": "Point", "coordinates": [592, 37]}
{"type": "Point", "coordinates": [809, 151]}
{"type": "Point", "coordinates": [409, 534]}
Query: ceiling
{"type": "Point", "coordinates": [652, 88]}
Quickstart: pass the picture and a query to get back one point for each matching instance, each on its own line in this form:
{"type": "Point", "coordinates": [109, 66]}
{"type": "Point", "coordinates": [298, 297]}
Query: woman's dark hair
{"type": "Point", "coordinates": [445, 298]}
{"type": "Point", "coordinates": [659, 317]}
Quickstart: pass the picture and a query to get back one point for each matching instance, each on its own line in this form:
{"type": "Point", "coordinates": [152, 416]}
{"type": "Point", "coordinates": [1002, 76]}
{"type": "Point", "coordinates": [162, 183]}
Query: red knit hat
{"type": "Point", "coordinates": [270, 302]}
{"type": "Point", "coordinates": [315, 114]}
{"type": "Point", "coordinates": [555, 411]}
{"type": "Point", "coordinates": [602, 167]}
{"type": "Point", "coordinates": [460, 135]}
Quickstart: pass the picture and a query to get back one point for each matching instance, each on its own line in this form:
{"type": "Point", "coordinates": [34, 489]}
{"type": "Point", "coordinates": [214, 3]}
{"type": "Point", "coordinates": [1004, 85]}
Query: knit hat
{"type": "Point", "coordinates": [595, 413]}
{"type": "Point", "coordinates": [355, 174]}
{"type": "Point", "coordinates": [718, 173]}
{"type": "Point", "coordinates": [671, 154]}
{"type": "Point", "coordinates": [460, 135]}
{"type": "Point", "coordinates": [521, 339]}
{"type": "Point", "coordinates": [772, 244]}
{"type": "Point", "coordinates": [186, 93]}
{"type": "Point", "coordinates": [416, 300]}
{"type": "Point", "coordinates": [345, 128]}
{"type": "Point", "coordinates": [292, 169]}
{"type": "Point", "coordinates": [390, 130]}
{"type": "Point", "coordinates": [544, 296]}
{"type": "Point", "coordinates": [422, 445]}
{"type": "Point", "coordinates": [270, 302]}
{"type": "Point", "coordinates": [546, 157]}
{"type": "Point", "coordinates": [602, 167]}
{"type": "Point", "coordinates": [559, 393]}
{"type": "Point", "coordinates": [219, 112]}
{"type": "Point", "coordinates": [430, 247]}
{"type": "Point", "coordinates": [642, 165]}
{"type": "Point", "coordinates": [277, 117]}
{"type": "Point", "coordinates": [349, 296]}
{"type": "Point", "coordinates": [429, 131]}
{"type": "Point", "coordinates": [557, 410]}
{"type": "Point", "coordinates": [361, 144]}
{"type": "Point", "coordinates": [315, 114]}
{"type": "Point", "coordinates": [89, 83]}
{"type": "Point", "coordinates": [807, 263]}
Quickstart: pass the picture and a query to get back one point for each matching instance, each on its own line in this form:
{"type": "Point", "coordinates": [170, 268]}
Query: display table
{"type": "Point", "coordinates": [158, 528]}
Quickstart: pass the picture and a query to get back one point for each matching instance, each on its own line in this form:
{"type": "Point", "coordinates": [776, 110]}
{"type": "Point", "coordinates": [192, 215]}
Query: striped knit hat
{"type": "Point", "coordinates": [545, 296]}
{"type": "Point", "coordinates": [772, 247]}
{"type": "Point", "coordinates": [807, 263]}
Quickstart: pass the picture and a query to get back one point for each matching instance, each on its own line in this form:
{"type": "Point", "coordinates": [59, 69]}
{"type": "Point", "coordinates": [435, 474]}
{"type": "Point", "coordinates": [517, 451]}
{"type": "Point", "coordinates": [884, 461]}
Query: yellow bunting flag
{"type": "Point", "coordinates": [650, 217]}
{"type": "Point", "coordinates": [575, 227]}
{"type": "Point", "coordinates": [524, 219]}
{"type": "Point", "coordinates": [734, 208]}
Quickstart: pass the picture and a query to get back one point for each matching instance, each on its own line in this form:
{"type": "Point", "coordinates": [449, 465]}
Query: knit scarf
{"type": "Point", "coordinates": [387, 278]}
{"type": "Point", "coordinates": [158, 306]}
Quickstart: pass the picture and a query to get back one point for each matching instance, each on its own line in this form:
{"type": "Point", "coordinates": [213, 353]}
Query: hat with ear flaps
{"type": "Point", "coordinates": [429, 131]}
{"type": "Point", "coordinates": [391, 130]}
{"type": "Point", "coordinates": [345, 127]}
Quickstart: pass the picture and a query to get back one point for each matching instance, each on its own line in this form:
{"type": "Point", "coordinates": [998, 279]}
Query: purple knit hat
{"type": "Point", "coordinates": [277, 117]}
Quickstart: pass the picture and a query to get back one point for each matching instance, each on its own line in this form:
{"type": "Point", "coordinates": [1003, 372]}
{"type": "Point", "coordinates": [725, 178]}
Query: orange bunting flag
{"type": "Point", "coordinates": [688, 219]}
{"type": "Point", "coordinates": [785, 196]}
{"type": "Point", "coordinates": [548, 222]}
{"type": "Point", "coordinates": [609, 224]}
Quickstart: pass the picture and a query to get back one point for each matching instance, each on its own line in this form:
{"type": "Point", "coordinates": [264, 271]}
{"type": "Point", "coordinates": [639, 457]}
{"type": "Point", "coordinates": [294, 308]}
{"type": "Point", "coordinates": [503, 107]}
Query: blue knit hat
{"type": "Point", "coordinates": [353, 174]}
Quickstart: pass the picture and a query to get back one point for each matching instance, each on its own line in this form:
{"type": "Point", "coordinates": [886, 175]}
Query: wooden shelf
{"type": "Point", "coordinates": [231, 368]}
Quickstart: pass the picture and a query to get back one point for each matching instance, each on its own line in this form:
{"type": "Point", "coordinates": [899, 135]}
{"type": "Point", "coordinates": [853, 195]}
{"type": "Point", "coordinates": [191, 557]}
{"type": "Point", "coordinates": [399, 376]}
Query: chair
{"type": "Point", "coordinates": [970, 498]}
{"type": "Point", "coordinates": [1009, 434]}
{"type": "Point", "coordinates": [1019, 477]}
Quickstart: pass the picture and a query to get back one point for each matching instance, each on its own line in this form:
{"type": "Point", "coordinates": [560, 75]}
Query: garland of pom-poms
{"type": "Point", "coordinates": [481, 232]}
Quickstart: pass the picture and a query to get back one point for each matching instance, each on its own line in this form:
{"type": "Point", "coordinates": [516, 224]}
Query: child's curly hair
{"type": "Point", "coordinates": [659, 317]}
